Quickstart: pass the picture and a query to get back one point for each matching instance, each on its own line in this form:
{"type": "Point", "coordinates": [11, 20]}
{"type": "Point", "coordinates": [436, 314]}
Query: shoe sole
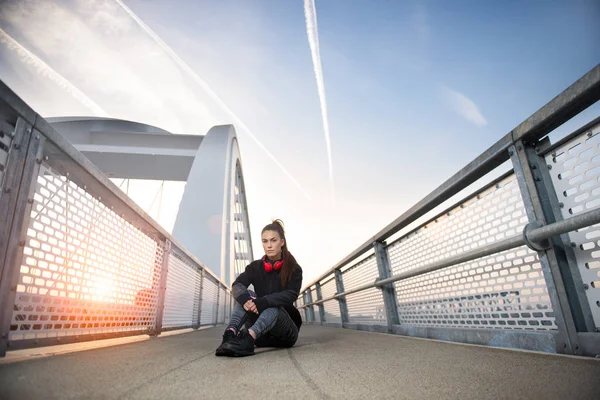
{"type": "Point", "coordinates": [242, 354]}
{"type": "Point", "coordinates": [223, 353]}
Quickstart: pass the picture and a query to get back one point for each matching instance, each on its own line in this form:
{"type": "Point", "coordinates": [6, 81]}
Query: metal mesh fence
{"type": "Point", "coordinates": [87, 263]}
{"type": "Point", "coordinates": [575, 174]}
{"type": "Point", "coordinates": [502, 290]}
{"type": "Point", "coordinates": [493, 215]}
{"type": "Point", "coordinates": [209, 302]}
{"type": "Point", "coordinates": [85, 269]}
{"type": "Point", "coordinates": [365, 307]}
{"type": "Point", "coordinates": [182, 293]}
{"type": "Point", "coordinates": [506, 290]}
{"type": "Point", "coordinates": [332, 307]}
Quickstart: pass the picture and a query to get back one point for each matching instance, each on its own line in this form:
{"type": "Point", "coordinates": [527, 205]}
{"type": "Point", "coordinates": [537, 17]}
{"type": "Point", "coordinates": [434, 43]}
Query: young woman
{"type": "Point", "coordinates": [268, 312]}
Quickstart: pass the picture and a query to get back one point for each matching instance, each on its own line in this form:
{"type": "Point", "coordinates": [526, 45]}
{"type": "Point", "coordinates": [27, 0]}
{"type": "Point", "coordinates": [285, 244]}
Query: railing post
{"type": "Point", "coordinates": [576, 292]}
{"type": "Point", "coordinates": [304, 301]}
{"type": "Point", "coordinates": [162, 289]}
{"type": "Point", "coordinates": [535, 186]}
{"type": "Point", "coordinates": [10, 179]}
{"type": "Point", "coordinates": [320, 305]}
{"type": "Point", "coordinates": [22, 171]}
{"type": "Point", "coordinates": [311, 308]}
{"type": "Point", "coordinates": [390, 300]}
{"type": "Point", "coordinates": [226, 310]}
{"type": "Point", "coordinates": [200, 297]}
{"type": "Point", "coordinates": [339, 282]}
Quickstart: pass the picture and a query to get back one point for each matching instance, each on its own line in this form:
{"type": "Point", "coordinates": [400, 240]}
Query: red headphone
{"type": "Point", "coordinates": [269, 267]}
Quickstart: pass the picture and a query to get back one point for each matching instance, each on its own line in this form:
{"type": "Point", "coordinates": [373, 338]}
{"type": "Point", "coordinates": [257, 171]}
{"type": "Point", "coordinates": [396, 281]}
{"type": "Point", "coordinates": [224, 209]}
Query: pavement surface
{"type": "Point", "coordinates": [326, 363]}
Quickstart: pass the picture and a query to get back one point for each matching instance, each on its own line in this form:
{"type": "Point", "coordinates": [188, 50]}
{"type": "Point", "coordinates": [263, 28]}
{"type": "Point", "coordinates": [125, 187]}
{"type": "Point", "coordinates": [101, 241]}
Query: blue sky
{"type": "Point", "coordinates": [415, 90]}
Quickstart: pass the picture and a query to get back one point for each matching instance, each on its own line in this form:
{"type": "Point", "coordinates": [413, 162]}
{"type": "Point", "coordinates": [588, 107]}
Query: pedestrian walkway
{"type": "Point", "coordinates": [325, 363]}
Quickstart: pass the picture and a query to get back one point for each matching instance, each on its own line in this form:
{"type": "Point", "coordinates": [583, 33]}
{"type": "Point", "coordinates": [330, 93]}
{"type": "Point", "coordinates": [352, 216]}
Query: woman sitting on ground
{"type": "Point", "coordinates": [269, 315]}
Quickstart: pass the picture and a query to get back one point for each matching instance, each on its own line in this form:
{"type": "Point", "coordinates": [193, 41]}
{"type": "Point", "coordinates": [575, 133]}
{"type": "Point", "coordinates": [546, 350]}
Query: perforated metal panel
{"type": "Point", "coordinates": [222, 306]}
{"type": "Point", "coordinates": [183, 293]}
{"type": "Point", "coordinates": [576, 175]}
{"type": "Point", "coordinates": [505, 290]}
{"type": "Point", "coordinates": [6, 135]}
{"type": "Point", "coordinates": [85, 269]}
{"type": "Point", "coordinates": [332, 307]}
{"type": "Point", "coordinates": [209, 302]}
{"type": "Point", "coordinates": [365, 307]}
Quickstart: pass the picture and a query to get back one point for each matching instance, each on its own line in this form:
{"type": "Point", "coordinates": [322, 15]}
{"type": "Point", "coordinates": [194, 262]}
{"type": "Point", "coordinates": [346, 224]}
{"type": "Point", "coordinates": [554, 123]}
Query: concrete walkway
{"type": "Point", "coordinates": [326, 363]}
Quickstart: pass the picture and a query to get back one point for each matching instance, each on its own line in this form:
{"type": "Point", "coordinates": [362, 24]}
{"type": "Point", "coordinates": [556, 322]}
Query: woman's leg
{"type": "Point", "coordinates": [240, 317]}
{"type": "Point", "coordinates": [283, 333]}
{"type": "Point", "coordinates": [273, 328]}
{"type": "Point", "coordinates": [264, 323]}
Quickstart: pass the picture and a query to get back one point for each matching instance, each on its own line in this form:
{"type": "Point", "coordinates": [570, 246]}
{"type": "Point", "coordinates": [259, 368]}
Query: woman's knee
{"type": "Point", "coordinates": [282, 315]}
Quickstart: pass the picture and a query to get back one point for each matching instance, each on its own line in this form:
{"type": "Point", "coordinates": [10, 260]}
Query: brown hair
{"type": "Point", "coordinates": [289, 262]}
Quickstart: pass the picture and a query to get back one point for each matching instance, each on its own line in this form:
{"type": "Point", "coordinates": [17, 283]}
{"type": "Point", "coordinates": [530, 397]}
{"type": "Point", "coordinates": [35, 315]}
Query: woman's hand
{"type": "Point", "coordinates": [250, 306]}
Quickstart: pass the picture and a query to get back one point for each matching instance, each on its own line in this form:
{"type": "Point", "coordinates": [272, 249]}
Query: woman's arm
{"type": "Point", "coordinates": [240, 286]}
{"type": "Point", "coordinates": [287, 296]}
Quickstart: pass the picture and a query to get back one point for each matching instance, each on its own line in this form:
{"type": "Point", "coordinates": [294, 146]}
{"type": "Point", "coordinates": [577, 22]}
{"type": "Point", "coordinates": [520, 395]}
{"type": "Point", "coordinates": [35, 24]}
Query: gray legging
{"type": "Point", "coordinates": [273, 327]}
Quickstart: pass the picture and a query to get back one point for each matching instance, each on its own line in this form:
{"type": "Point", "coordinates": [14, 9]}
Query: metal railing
{"type": "Point", "coordinates": [515, 264]}
{"type": "Point", "coordinates": [79, 260]}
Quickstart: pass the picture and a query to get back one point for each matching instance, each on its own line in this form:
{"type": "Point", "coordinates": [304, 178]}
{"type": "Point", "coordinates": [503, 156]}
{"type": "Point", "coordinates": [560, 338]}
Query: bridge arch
{"type": "Point", "coordinates": [212, 221]}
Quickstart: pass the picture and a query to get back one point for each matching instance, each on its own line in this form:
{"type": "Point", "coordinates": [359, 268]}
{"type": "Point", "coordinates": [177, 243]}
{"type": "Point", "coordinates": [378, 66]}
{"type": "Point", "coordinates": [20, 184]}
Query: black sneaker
{"type": "Point", "coordinates": [224, 348]}
{"type": "Point", "coordinates": [242, 345]}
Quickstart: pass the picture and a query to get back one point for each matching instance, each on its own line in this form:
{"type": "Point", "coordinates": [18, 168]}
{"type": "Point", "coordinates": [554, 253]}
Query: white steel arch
{"type": "Point", "coordinates": [212, 222]}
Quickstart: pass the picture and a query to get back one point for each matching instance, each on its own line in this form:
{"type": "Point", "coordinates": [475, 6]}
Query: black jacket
{"type": "Point", "coordinates": [267, 286]}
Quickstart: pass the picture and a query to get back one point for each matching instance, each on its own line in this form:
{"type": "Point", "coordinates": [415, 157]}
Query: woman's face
{"type": "Point", "coordinates": [272, 244]}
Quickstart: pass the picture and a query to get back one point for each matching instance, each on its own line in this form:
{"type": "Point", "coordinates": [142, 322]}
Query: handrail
{"type": "Point", "coordinates": [570, 102]}
{"type": "Point", "coordinates": [531, 236]}
{"type": "Point", "coordinates": [576, 98]}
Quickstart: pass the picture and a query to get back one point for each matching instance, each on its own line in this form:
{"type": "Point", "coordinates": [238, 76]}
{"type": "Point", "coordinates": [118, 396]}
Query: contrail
{"type": "Point", "coordinates": [47, 71]}
{"type": "Point", "coordinates": [208, 90]}
{"type": "Point", "coordinates": [310, 13]}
